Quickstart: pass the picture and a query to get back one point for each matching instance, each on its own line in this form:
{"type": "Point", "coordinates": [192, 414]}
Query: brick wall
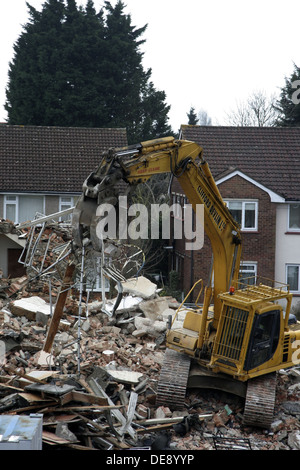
{"type": "Point", "coordinates": [258, 246]}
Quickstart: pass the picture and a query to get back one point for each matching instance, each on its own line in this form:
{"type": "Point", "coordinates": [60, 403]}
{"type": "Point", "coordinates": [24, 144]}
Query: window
{"type": "Point", "coordinates": [245, 213]}
{"type": "Point", "coordinates": [293, 277]}
{"type": "Point", "coordinates": [93, 277]}
{"type": "Point", "coordinates": [177, 262]}
{"type": "Point", "coordinates": [22, 207]}
{"type": "Point", "coordinates": [10, 208]}
{"type": "Point", "coordinates": [66, 202]}
{"type": "Point", "coordinates": [294, 217]}
{"type": "Point", "coordinates": [264, 339]}
{"type": "Point", "coordinates": [177, 206]}
{"type": "Point", "coordinates": [247, 273]}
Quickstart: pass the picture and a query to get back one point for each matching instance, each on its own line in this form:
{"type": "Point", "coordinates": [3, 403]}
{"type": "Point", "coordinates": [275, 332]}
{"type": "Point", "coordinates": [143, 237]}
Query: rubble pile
{"type": "Point", "coordinates": [97, 388]}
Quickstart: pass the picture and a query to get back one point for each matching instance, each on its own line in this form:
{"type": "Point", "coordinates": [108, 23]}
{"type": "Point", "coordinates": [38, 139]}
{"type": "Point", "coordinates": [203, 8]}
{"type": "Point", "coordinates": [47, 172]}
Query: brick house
{"type": "Point", "coordinates": [42, 171]}
{"type": "Point", "coordinates": [257, 171]}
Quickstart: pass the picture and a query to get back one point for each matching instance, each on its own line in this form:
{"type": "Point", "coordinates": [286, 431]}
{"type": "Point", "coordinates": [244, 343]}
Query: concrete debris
{"type": "Point", "coordinates": [125, 376]}
{"type": "Point", "coordinates": [155, 307]}
{"type": "Point", "coordinates": [294, 440]}
{"type": "Point", "coordinates": [140, 287]}
{"type": "Point", "coordinates": [64, 432]}
{"type": "Point", "coordinates": [30, 307]}
{"type": "Point", "coordinates": [128, 304]}
{"type": "Point", "coordinates": [145, 326]}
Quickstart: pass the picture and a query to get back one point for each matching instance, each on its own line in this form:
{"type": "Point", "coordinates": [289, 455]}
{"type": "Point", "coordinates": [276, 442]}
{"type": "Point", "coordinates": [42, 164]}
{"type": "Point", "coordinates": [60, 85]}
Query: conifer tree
{"type": "Point", "coordinates": [192, 117]}
{"type": "Point", "coordinates": [289, 103]}
{"type": "Point", "coordinates": [34, 88]}
{"type": "Point", "coordinates": [73, 66]}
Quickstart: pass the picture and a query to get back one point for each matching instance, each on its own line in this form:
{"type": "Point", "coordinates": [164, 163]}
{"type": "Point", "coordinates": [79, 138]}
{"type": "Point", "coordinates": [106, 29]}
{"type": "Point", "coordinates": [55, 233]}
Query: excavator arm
{"type": "Point", "coordinates": [184, 160]}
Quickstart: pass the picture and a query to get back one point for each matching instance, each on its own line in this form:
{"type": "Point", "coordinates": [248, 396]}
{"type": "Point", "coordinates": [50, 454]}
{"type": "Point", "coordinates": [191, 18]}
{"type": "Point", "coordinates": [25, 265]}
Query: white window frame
{"type": "Point", "coordinates": [68, 204]}
{"type": "Point", "coordinates": [16, 202]}
{"type": "Point", "coordinates": [286, 276]}
{"type": "Point", "coordinates": [65, 203]}
{"type": "Point", "coordinates": [292, 229]}
{"type": "Point", "coordinates": [252, 272]}
{"type": "Point", "coordinates": [13, 202]}
{"type": "Point", "coordinates": [177, 203]}
{"type": "Point", "coordinates": [97, 285]}
{"type": "Point", "coordinates": [244, 202]}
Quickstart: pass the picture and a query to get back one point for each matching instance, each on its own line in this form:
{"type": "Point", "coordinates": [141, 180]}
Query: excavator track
{"type": "Point", "coordinates": [173, 381]}
{"type": "Point", "coordinates": [172, 384]}
{"type": "Point", "coordinates": [260, 401]}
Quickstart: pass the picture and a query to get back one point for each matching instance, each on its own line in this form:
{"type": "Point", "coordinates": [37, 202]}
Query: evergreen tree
{"type": "Point", "coordinates": [289, 103]}
{"type": "Point", "coordinates": [84, 48]}
{"type": "Point", "coordinates": [34, 89]}
{"type": "Point", "coordinates": [192, 117]}
{"type": "Point", "coordinates": [75, 67]}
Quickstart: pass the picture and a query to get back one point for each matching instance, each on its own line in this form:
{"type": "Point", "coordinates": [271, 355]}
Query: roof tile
{"type": "Point", "coordinates": [269, 155]}
{"type": "Point", "coordinates": [52, 159]}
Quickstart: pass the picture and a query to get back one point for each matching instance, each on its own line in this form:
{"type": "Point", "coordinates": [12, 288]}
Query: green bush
{"type": "Point", "coordinates": [172, 288]}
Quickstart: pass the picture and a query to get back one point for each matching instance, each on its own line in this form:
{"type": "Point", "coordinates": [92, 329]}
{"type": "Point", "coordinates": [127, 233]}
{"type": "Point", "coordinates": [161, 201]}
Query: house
{"type": "Point", "coordinates": [257, 170]}
{"type": "Point", "coordinates": [43, 169]}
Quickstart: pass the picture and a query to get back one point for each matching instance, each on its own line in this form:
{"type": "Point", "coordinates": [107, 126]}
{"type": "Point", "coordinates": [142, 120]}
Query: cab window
{"type": "Point", "coordinates": [264, 338]}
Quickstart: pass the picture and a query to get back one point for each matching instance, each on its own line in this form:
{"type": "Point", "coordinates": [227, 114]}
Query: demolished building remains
{"type": "Point", "coordinates": [84, 367]}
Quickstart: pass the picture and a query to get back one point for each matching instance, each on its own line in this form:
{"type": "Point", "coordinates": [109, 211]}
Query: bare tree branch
{"type": "Point", "coordinates": [258, 110]}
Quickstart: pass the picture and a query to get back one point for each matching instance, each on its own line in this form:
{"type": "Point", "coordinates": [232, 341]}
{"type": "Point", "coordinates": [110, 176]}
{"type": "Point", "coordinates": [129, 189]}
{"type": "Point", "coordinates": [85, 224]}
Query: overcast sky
{"type": "Point", "coordinates": [206, 54]}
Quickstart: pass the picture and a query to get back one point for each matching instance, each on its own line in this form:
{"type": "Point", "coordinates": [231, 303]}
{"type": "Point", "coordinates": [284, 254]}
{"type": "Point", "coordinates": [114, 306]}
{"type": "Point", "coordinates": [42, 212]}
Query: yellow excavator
{"type": "Point", "coordinates": [240, 334]}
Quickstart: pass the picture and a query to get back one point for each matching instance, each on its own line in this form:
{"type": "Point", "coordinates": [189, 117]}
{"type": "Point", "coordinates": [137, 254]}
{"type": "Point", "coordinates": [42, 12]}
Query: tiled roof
{"type": "Point", "coordinates": [268, 155]}
{"type": "Point", "coordinates": [52, 159]}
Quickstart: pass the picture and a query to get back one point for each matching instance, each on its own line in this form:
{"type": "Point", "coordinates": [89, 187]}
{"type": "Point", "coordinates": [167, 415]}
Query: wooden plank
{"type": "Point", "coordinates": [16, 411]}
{"type": "Point", "coordinates": [42, 375]}
{"type": "Point", "coordinates": [83, 398]}
{"type": "Point", "coordinates": [158, 427]}
{"type": "Point", "coordinates": [59, 307]}
{"type": "Point", "coordinates": [94, 408]}
{"type": "Point", "coordinates": [85, 385]}
{"type": "Point", "coordinates": [11, 387]}
{"type": "Point", "coordinates": [34, 398]}
{"type": "Point", "coordinates": [52, 438]}
{"type": "Point", "coordinates": [154, 424]}
{"type": "Point", "coordinates": [66, 418]}
{"type": "Point", "coordinates": [28, 377]}
{"type": "Point", "coordinates": [171, 420]}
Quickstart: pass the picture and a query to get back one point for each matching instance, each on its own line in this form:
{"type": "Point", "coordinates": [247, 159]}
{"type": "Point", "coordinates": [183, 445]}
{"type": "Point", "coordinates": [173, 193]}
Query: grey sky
{"type": "Point", "coordinates": [205, 54]}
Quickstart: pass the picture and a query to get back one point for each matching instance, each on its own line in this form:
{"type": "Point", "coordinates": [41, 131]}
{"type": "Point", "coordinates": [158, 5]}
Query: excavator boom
{"type": "Point", "coordinates": [184, 160]}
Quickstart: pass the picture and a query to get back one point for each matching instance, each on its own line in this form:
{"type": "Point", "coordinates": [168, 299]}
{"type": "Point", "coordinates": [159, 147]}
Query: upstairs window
{"type": "Point", "coordinates": [293, 277]}
{"type": "Point", "coordinates": [66, 202]}
{"type": "Point", "coordinates": [10, 208]}
{"type": "Point", "coordinates": [245, 213]}
{"type": "Point", "coordinates": [23, 207]}
{"type": "Point", "coordinates": [294, 217]}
